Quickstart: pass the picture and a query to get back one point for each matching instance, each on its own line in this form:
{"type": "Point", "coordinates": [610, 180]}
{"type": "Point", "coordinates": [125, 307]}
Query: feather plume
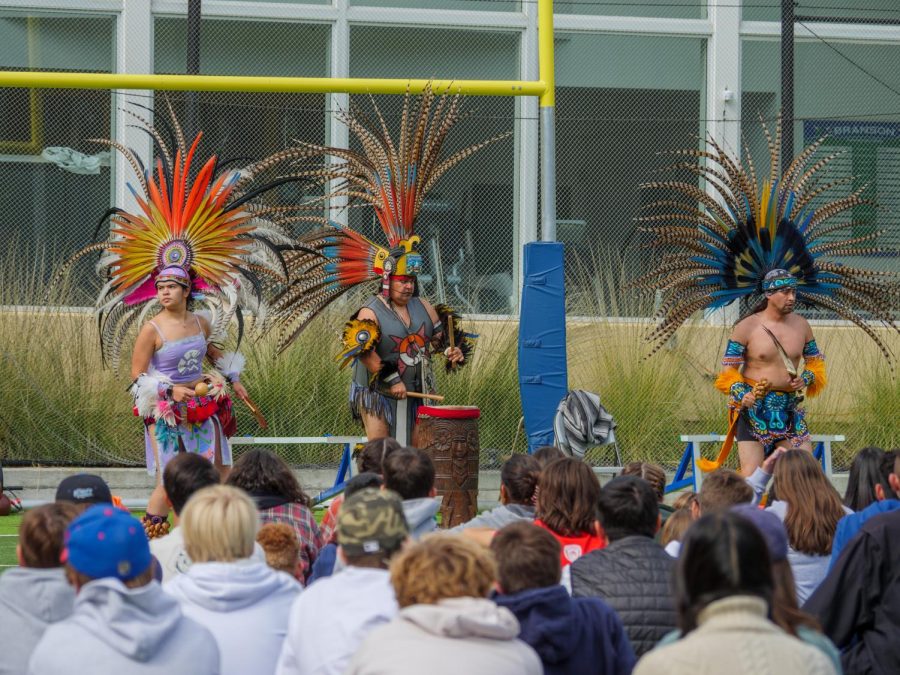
{"type": "Point", "coordinates": [392, 174]}
{"type": "Point", "coordinates": [204, 217]}
{"type": "Point", "coordinates": [719, 252]}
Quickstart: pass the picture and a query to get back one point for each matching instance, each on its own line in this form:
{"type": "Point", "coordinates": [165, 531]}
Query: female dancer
{"type": "Point", "coordinates": [183, 409]}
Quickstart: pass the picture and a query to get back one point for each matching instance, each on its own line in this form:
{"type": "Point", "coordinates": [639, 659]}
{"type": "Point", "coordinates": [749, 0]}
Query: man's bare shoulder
{"type": "Point", "coordinates": [744, 328]}
{"type": "Point", "coordinates": [367, 314]}
{"type": "Point", "coordinates": [801, 325]}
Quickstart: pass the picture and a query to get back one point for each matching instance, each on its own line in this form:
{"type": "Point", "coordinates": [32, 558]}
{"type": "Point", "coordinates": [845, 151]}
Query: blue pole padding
{"type": "Point", "coordinates": [543, 380]}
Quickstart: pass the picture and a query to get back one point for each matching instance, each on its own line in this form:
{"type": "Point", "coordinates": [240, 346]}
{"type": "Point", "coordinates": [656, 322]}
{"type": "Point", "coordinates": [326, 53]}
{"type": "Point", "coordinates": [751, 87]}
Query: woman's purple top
{"type": "Point", "coordinates": [180, 360]}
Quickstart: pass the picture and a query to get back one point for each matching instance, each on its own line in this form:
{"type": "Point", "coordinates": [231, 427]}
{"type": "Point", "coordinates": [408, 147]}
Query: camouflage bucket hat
{"type": "Point", "coordinates": [371, 521]}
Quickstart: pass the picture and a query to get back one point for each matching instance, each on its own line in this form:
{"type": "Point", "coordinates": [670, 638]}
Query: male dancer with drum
{"type": "Point", "coordinates": [408, 330]}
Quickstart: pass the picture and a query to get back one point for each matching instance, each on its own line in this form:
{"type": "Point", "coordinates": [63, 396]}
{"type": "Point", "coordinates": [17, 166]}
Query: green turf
{"type": "Point", "coordinates": [9, 531]}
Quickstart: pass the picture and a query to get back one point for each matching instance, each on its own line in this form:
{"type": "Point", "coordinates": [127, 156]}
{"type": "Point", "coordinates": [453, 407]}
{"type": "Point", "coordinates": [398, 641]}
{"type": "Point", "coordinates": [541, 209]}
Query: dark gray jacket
{"type": "Point", "coordinates": [633, 575]}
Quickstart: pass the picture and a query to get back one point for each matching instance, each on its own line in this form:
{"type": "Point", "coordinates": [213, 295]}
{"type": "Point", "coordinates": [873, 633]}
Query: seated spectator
{"type": "Point", "coordinates": [327, 562]}
{"type": "Point", "coordinates": [723, 588]}
{"type": "Point", "coordinates": [278, 496]}
{"type": "Point", "coordinates": [518, 484]}
{"type": "Point", "coordinates": [810, 508]}
{"type": "Point", "coordinates": [867, 482]}
{"type": "Point", "coordinates": [633, 573]}
{"type": "Point", "coordinates": [84, 490]}
{"type": "Point", "coordinates": [410, 473]}
{"type": "Point", "coordinates": [784, 610]}
{"type": "Point", "coordinates": [282, 548]}
{"type": "Point", "coordinates": [446, 624]}
{"type": "Point", "coordinates": [333, 616]}
{"type": "Point", "coordinates": [184, 474]}
{"type": "Point", "coordinates": [242, 601]}
{"type": "Point", "coordinates": [721, 489]}
{"type": "Point", "coordinates": [858, 600]}
{"type": "Point", "coordinates": [122, 622]}
{"type": "Point", "coordinates": [656, 476]}
{"type": "Point", "coordinates": [884, 491]}
{"type": "Point", "coordinates": [674, 529]}
{"type": "Point", "coordinates": [567, 508]}
{"type": "Point", "coordinates": [369, 457]}
{"type": "Point", "coordinates": [571, 635]}
{"type": "Point", "coordinates": [35, 594]}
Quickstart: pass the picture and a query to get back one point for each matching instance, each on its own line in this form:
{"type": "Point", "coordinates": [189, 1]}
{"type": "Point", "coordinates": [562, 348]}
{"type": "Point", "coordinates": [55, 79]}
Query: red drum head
{"type": "Point", "coordinates": [450, 412]}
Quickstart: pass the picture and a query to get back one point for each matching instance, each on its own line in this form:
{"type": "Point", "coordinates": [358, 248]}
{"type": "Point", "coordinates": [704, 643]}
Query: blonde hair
{"type": "Point", "coordinates": [676, 526]}
{"type": "Point", "coordinates": [219, 524]}
{"type": "Point", "coordinates": [282, 547]}
{"type": "Point", "coordinates": [442, 566]}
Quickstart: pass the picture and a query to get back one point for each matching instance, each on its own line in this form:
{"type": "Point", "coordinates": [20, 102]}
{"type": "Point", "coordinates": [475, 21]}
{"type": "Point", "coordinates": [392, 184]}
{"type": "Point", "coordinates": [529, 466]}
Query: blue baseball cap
{"type": "Point", "coordinates": [107, 542]}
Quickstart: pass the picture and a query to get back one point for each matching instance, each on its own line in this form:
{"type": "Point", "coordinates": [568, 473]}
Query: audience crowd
{"type": "Point", "coordinates": [775, 573]}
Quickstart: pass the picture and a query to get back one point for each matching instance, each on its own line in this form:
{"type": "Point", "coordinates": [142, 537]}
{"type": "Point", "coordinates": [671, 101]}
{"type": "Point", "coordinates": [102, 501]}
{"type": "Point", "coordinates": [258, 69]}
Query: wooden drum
{"type": "Point", "coordinates": [449, 433]}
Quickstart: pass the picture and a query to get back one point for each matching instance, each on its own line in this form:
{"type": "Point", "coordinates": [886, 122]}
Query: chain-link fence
{"type": "Point", "coordinates": [623, 99]}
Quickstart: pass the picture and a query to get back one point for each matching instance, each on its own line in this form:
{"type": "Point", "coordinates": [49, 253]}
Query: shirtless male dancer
{"type": "Point", "coordinates": [765, 349]}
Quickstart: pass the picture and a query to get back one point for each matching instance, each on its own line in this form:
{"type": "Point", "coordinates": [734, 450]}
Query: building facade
{"type": "Point", "coordinates": [635, 79]}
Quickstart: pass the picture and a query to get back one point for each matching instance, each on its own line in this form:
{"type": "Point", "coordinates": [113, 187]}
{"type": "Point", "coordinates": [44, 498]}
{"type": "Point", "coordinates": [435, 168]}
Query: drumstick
{"type": "Point", "coordinates": [257, 413]}
{"type": "Point", "coordinates": [431, 397]}
{"type": "Point", "coordinates": [451, 336]}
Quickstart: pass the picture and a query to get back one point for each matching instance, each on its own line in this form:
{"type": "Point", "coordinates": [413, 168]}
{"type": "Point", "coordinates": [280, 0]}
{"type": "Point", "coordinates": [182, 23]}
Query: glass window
{"type": "Point", "coordinates": [282, 49]}
{"type": "Point", "coordinates": [674, 9]}
{"type": "Point", "coordinates": [466, 5]}
{"type": "Point", "coordinates": [467, 221]}
{"type": "Point", "coordinates": [51, 209]}
{"type": "Point", "coordinates": [612, 124]}
{"type": "Point", "coordinates": [770, 10]}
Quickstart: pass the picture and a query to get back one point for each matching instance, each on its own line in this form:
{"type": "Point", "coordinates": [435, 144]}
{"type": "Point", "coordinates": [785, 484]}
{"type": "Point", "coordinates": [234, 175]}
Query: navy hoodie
{"type": "Point", "coordinates": [573, 636]}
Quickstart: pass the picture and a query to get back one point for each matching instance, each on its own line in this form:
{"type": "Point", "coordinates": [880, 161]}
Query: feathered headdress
{"type": "Point", "coordinates": [391, 177]}
{"type": "Point", "coordinates": [199, 220]}
{"type": "Point", "coordinates": [716, 251]}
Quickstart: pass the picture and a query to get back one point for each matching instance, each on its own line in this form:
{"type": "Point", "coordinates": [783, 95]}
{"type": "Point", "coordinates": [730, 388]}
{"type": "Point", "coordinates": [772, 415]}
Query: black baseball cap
{"type": "Point", "coordinates": [84, 488]}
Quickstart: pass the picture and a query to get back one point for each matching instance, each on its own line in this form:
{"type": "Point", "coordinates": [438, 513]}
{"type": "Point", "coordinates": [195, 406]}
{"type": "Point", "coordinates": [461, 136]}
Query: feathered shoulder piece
{"type": "Point", "coordinates": [197, 222]}
{"type": "Point", "coordinates": [391, 173]}
{"type": "Point", "coordinates": [715, 250]}
{"type": "Point", "coordinates": [360, 336]}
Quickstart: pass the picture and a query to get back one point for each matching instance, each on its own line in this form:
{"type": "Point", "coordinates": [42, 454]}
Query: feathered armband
{"type": "Point", "coordinates": [231, 365]}
{"type": "Point", "coordinates": [449, 326]}
{"type": "Point", "coordinates": [147, 390]}
{"type": "Point", "coordinates": [814, 376]}
{"type": "Point", "coordinates": [360, 337]}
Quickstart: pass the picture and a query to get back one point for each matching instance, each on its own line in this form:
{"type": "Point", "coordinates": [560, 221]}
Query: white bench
{"type": "Point", "coordinates": [692, 453]}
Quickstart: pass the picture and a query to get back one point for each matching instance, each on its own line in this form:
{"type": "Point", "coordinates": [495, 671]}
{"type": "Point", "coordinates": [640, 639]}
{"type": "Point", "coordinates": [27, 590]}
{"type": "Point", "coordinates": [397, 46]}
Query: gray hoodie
{"type": "Point", "coordinates": [420, 515]}
{"type": "Point", "coordinates": [457, 635]}
{"type": "Point", "coordinates": [245, 604]}
{"type": "Point", "coordinates": [499, 516]}
{"type": "Point", "coordinates": [30, 600]}
{"type": "Point", "coordinates": [114, 629]}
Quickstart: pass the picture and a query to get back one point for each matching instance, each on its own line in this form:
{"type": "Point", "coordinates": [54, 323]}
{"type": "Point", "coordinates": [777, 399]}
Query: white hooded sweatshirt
{"type": "Point", "coordinates": [30, 600]}
{"type": "Point", "coordinates": [114, 629]}
{"type": "Point", "coordinates": [458, 635]}
{"type": "Point", "coordinates": [244, 604]}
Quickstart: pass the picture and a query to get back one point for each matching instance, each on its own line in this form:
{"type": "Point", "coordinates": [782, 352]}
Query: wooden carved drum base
{"type": "Point", "coordinates": [450, 435]}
